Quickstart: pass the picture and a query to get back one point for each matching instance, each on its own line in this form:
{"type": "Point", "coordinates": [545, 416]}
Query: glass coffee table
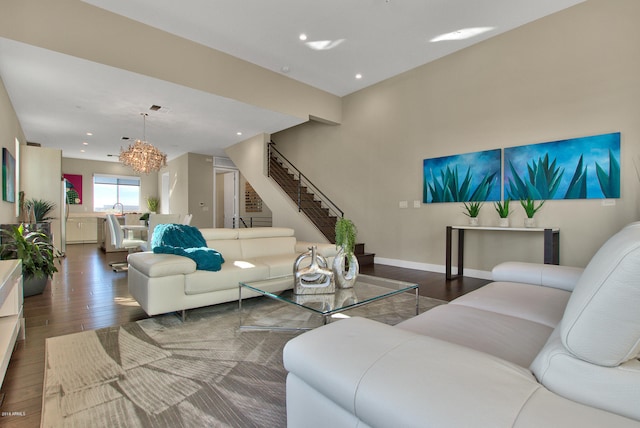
{"type": "Point", "coordinates": [367, 289]}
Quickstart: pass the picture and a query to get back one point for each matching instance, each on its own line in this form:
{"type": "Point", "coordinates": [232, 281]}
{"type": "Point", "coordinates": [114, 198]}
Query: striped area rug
{"type": "Point", "coordinates": [162, 372]}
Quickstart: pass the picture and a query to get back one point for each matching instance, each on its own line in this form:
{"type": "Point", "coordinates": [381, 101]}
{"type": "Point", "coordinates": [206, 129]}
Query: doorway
{"type": "Point", "coordinates": [226, 200]}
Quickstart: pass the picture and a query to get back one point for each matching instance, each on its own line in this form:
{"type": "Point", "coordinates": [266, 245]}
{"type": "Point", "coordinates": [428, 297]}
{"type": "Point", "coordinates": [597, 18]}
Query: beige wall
{"type": "Point", "coordinates": [572, 74]}
{"type": "Point", "coordinates": [10, 129]}
{"type": "Point", "coordinates": [178, 169]}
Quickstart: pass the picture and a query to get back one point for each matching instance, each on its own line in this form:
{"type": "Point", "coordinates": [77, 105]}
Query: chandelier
{"type": "Point", "coordinates": [141, 156]}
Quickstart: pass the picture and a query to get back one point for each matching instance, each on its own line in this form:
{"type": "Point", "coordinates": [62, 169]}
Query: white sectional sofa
{"type": "Point", "coordinates": [164, 283]}
{"type": "Point", "coordinates": [542, 346]}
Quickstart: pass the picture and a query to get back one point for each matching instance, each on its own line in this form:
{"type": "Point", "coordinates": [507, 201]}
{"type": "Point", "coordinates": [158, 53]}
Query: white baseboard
{"type": "Point", "coordinates": [472, 273]}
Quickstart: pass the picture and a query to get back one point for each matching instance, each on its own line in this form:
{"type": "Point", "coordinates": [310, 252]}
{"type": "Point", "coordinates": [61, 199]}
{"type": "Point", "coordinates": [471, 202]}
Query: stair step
{"type": "Point", "coordinates": [365, 259]}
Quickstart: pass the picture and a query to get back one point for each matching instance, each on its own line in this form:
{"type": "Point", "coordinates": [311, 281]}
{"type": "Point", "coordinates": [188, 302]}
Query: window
{"type": "Point", "coordinates": [111, 189]}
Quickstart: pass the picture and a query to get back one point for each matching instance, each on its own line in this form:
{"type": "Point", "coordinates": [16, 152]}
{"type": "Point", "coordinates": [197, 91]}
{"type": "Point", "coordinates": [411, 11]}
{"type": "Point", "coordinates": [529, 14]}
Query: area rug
{"type": "Point", "coordinates": [162, 372]}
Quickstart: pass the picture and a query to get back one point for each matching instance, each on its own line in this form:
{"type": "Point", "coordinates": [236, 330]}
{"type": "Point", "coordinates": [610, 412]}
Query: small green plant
{"type": "Point", "coordinates": [502, 208]}
{"type": "Point", "coordinates": [33, 247]}
{"type": "Point", "coordinates": [530, 207]}
{"type": "Point", "coordinates": [153, 204]}
{"type": "Point", "coordinates": [346, 233]}
{"type": "Point", "coordinates": [40, 208]}
{"type": "Point", "coordinates": [473, 209]}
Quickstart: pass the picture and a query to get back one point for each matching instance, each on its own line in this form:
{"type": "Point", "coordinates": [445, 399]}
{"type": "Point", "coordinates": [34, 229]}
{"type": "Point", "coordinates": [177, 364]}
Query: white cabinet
{"type": "Point", "coordinates": [11, 316]}
{"type": "Point", "coordinates": [82, 230]}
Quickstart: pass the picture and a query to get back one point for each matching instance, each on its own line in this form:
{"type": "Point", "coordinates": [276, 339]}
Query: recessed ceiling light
{"type": "Point", "coordinates": [84, 143]}
{"type": "Point", "coordinates": [81, 150]}
{"type": "Point", "coordinates": [238, 133]}
{"type": "Point", "coordinates": [462, 34]}
{"type": "Point", "coordinates": [358, 76]}
{"type": "Point", "coordinates": [89, 134]}
{"type": "Point", "coordinates": [302, 37]}
{"type": "Point", "coordinates": [324, 45]}
{"type": "Point", "coordinates": [285, 69]}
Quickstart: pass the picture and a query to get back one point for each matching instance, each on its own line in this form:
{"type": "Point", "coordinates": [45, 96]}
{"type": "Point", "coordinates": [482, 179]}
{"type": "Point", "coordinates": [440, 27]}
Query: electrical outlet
{"type": "Point", "coordinates": [404, 204]}
{"type": "Point", "coordinates": [416, 204]}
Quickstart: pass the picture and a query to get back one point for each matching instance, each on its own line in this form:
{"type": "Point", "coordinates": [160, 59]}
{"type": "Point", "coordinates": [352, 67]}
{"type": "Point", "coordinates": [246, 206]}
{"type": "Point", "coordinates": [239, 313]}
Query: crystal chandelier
{"type": "Point", "coordinates": [141, 156]}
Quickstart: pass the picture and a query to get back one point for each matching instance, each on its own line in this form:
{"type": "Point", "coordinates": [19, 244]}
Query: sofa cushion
{"type": "Point", "coordinates": [157, 265]}
{"type": "Point", "coordinates": [229, 276]}
{"type": "Point", "coordinates": [392, 378]}
{"type": "Point", "coordinates": [543, 305]}
{"type": "Point", "coordinates": [513, 339]}
{"type": "Point", "coordinates": [279, 264]}
{"type": "Point", "coordinates": [252, 248]}
{"type": "Point", "coordinates": [602, 321]}
{"type": "Point", "coordinates": [230, 249]}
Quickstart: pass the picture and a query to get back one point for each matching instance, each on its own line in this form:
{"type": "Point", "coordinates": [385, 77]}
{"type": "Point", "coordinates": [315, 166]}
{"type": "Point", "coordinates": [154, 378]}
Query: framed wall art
{"type": "Point", "coordinates": [462, 178]}
{"type": "Point", "coordinates": [578, 168]}
{"type": "Point", "coordinates": [8, 176]}
{"type": "Point", "coordinates": [73, 184]}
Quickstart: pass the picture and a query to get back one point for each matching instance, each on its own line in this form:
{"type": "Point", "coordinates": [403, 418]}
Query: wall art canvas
{"type": "Point", "coordinates": [8, 176]}
{"type": "Point", "coordinates": [462, 178]}
{"type": "Point", "coordinates": [74, 188]}
{"type": "Point", "coordinates": [578, 168]}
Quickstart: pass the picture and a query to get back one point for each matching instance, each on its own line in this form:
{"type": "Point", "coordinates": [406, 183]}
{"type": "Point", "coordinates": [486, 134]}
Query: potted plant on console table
{"type": "Point", "coordinates": [37, 253]}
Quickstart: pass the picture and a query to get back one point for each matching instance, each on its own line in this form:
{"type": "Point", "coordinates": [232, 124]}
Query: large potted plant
{"type": "Point", "coordinates": [345, 264]}
{"type": "Point", "coordinates": [39, 211]}
{"type": "Point", "coordinates": [37, 253]}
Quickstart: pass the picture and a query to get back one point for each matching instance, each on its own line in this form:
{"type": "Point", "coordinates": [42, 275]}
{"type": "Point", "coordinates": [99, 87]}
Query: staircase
{"type": "Point", "coordinates": [322, 212]}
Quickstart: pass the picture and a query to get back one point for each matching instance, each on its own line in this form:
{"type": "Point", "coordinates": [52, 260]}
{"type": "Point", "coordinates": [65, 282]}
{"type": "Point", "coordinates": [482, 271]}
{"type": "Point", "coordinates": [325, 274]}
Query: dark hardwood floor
{"type": "Point", "coordinates": [86, 294]}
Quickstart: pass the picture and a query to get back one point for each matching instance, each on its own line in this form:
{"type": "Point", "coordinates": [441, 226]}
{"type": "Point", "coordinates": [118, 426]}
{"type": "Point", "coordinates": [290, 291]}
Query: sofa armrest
{"type": "Point", "coordinates": [157, 265]}
{"type": "Point", "coordinates": [325, 250]}
{"type": "Point", "coordinates": [562, 277]}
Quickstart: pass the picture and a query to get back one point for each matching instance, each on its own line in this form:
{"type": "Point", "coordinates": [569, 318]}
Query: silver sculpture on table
{"type": "Point", "coordinates": [316, 278]}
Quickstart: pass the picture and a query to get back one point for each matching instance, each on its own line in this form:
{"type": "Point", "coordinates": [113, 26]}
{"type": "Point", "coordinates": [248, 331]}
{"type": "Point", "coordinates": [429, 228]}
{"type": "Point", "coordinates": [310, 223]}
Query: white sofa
{"type": "Point", "coordinates": [163, 283]}
{"type": "Point", "coordinates": [542, 346]}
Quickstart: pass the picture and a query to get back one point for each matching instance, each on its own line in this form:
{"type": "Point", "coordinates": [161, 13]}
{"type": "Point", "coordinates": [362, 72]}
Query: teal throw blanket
{"type": "Point", "coordinates": [186, 241]}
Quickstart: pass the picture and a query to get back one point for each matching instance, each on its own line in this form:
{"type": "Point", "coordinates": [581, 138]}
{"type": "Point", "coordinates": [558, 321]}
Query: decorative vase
{"type": "Point", "coordinates": [504, 222]}
{"type": "Point", "coordinates": [529, 222]}
{"type": "Point", "coordinates": [473, 221]}
{"type": "Point", "coordinates": [32, 286]}
{"type": "Point", "coordinates": [316, 278]}
{"type": "Point", "coordinates": [345, 269]}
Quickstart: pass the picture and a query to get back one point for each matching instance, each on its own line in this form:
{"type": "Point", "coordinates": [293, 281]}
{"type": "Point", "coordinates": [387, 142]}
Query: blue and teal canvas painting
{"type": "Point", "coordinates": [462, 178]}
{"type": "Point", "coordinates": [579, 168]}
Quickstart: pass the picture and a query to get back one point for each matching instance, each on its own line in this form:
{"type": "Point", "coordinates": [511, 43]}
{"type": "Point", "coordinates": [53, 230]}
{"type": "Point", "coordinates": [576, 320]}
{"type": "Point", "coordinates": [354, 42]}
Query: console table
{"type": "Point", "coordinates": [551, 244]}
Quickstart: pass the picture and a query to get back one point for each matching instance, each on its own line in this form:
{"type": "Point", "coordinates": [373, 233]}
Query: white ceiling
{"type": "Point", "coordinates": [58, 97]}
